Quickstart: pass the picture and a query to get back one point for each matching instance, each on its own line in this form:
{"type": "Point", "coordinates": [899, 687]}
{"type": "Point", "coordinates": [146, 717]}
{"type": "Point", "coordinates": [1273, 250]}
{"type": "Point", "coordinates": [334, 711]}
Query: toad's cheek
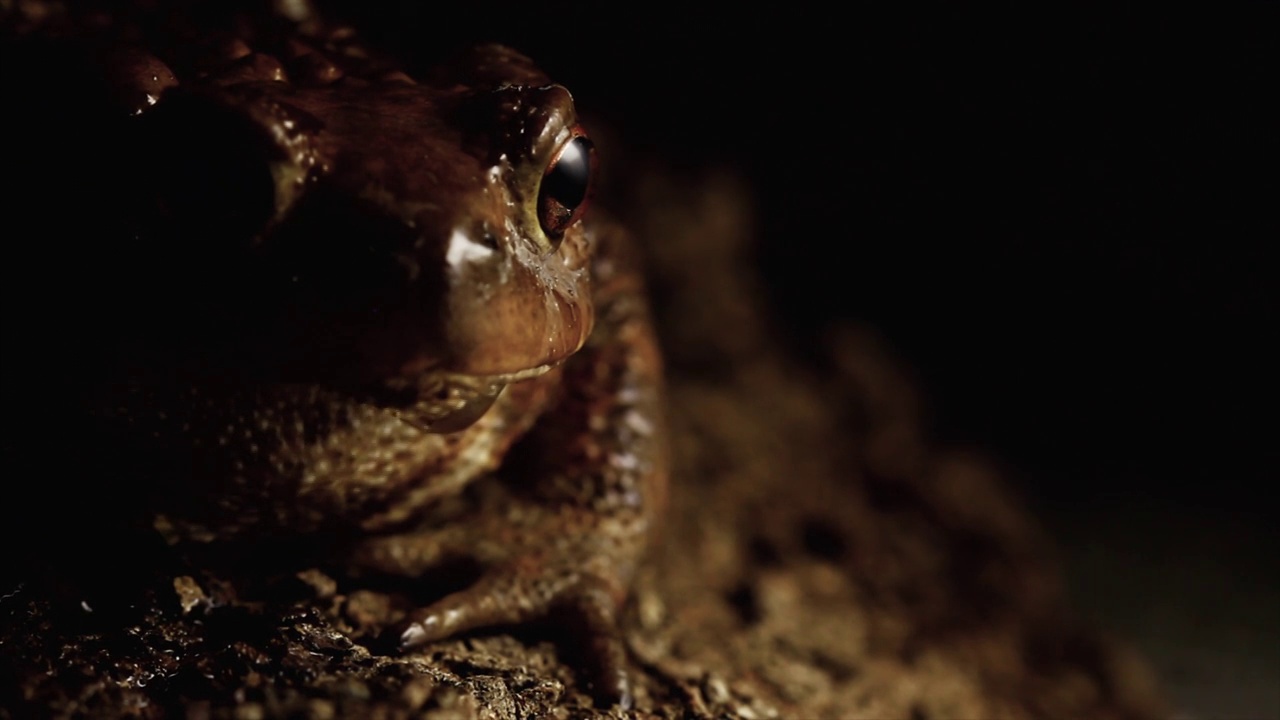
{"type": "Point", "coordinates": [510, 309]}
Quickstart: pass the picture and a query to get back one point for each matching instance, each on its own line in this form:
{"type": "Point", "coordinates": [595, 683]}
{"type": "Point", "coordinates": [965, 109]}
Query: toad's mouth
{"type": "Point", "coordinates": [439, 401]}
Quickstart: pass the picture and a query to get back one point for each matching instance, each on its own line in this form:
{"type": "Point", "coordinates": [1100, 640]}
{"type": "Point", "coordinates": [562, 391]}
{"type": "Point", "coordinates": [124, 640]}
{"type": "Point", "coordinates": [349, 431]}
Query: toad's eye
{"type": "Point", "coordinates": [566, 185]}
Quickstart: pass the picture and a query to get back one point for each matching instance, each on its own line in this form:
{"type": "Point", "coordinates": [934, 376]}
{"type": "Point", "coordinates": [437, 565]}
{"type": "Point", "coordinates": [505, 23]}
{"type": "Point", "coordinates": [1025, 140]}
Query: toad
{"type": "Point", "coordinates": [372, 310]}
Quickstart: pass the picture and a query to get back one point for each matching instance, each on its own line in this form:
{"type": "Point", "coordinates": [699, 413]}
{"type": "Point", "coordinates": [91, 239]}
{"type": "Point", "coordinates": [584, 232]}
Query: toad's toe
{"type": "Point", "coordinates": [587, 607]}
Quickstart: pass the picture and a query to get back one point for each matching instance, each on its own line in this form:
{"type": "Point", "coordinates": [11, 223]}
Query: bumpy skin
{"type": "Point", "coordinates": [376, 319]}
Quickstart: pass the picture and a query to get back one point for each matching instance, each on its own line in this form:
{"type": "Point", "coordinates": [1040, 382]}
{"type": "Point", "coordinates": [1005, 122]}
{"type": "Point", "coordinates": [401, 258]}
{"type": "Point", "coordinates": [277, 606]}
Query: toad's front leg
{"type": "Point", "coordinates": [586, 486]}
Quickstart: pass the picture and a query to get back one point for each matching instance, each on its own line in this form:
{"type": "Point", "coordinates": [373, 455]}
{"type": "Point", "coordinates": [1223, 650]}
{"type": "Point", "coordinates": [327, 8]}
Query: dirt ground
{"type": "Point", "coordinates": [821, 558]}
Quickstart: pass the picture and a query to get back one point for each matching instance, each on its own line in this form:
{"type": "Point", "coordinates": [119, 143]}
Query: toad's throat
{"type": "Point", "coordinates": [446, 402]}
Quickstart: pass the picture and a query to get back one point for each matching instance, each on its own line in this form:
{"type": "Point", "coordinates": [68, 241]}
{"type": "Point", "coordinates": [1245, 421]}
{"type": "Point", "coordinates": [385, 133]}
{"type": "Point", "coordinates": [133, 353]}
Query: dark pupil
{"type": "Point", "coordinates": [567, 181]}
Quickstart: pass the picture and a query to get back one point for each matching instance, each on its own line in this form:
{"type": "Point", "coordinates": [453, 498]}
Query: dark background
{"type": "Point", "coordinates": [1062, 220]}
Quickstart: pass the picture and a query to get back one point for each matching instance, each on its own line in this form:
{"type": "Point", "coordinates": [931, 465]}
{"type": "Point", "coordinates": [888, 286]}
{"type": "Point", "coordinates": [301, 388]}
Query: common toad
{"type": "Point", "coordinates": [366, 292]}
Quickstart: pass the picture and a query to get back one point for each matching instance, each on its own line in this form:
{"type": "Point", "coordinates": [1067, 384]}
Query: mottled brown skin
{"type": "Point", "coordinates": [392, 319]}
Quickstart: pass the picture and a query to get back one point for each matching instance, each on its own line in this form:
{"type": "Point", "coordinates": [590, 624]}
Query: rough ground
{"type": "Point", "coordinates": [821, 558]}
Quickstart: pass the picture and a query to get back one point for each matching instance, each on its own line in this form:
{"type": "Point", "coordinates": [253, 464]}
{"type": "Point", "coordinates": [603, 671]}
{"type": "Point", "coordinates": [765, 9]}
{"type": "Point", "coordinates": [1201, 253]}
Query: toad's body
{"type": "Point", "coordinates": [384, 284]}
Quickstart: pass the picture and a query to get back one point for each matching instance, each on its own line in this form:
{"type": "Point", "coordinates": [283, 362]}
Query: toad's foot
{"type": "Point", "coordinates": [550, 568]}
